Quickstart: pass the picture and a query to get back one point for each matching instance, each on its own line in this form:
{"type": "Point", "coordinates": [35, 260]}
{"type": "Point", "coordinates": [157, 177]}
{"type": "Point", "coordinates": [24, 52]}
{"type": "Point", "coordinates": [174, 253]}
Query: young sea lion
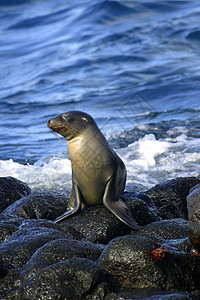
{"type": "Point", "coordinates": [98, 174]}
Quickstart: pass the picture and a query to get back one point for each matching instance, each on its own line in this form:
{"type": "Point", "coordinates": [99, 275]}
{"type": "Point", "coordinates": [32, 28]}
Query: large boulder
{"type": "Point", "coordinates": [8, 226]}
{"type": "Point", "coordinates": [38, 205]}
{"type": "Point", "coordinates": [68, 279]}
{"type": "Point", "coordinates": [166, 229]}
{"type": "Point", "coordinates": [20, 246]}
{"type": "Point", "coordinates": [93, 255]}
{"type": "Point", "coordinates": [143, 262]}
{"type": "Point", "coordinates": [96, 224]}
{"type": "Point", "coordinates": [11, 190]}
{"type": "Point", "coordinates": [59, 250]}
{"type": "Point", "coordinates": [170, 197]}
{"type": "Point", "coordinates": [143, 209]}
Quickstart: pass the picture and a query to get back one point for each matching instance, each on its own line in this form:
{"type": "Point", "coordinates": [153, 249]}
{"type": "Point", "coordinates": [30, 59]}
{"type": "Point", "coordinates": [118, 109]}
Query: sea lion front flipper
{"type": "Point", "coordinates": [76, 199]}
{"type": "Point", "coordinates": [117, 206]}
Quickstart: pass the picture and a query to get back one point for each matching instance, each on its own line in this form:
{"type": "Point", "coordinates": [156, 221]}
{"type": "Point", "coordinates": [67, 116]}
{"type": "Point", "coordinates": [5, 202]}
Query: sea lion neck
{"type": "Point", "coordinates": [73, 141]}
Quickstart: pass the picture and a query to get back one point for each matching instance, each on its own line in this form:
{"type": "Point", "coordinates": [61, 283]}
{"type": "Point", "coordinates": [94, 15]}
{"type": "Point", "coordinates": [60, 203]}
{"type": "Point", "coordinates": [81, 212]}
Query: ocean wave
{"type": "Point", "coordinates": [127, 63]}
{"type": "Point", "coordinates": [148, 162]}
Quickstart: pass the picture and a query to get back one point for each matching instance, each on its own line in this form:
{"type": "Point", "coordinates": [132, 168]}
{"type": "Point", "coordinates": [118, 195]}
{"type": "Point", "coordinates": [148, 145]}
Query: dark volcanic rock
{"type": "Point", "coordinates": [166, 229]}
{"type": "Point", "coordinates": [11, 189]}
{"type": "Point", "coordinates": [193, 205]}
{"type": "Point", "coordinates": [40, 259]}
{"type": "Point", "coordinates": [69, 231]}
{"type": "Point", "coordinates": [101, 292]}
{"type": "Point", "coordinates": [68, 279]}
{"type": "Point", "coordinates": [130, 262]}
{"type": "Point", "coordinates": [38, 205]}
{"type": "Point", "coordinates": [20, 246]}
{"type": "Point", "coordinates": [147, 294]}
{"type": "Point", "coordinates": [96, 224]}
{"type": "Point", "coordinates": [8, 226]}
{"type": "Point", "coordinates": [143, 209]}
{"type": "Point", "coordinates": [170, 197]}
{"type": "Point", "coordinates": [59, 250]}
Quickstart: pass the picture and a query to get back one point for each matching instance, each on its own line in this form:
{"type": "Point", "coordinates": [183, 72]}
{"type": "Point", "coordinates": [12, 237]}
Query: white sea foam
{"type": "Point", "coordinates": [54, 174]}
{"type": "Point", "coordinates": [148, 162]}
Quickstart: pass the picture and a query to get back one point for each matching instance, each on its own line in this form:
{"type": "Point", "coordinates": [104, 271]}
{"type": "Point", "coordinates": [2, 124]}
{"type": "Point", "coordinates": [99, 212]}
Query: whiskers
{"type": "Point", "coordinates": [55, 135]}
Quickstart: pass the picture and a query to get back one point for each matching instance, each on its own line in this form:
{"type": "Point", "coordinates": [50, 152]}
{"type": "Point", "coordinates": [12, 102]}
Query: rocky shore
{"type": "Point", "coordinates": [93, 255]}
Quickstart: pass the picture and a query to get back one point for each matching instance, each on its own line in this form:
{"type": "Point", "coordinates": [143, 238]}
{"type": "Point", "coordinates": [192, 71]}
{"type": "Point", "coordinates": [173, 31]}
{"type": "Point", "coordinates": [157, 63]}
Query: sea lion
{"type": "Point", "coordinates": [98, 174]}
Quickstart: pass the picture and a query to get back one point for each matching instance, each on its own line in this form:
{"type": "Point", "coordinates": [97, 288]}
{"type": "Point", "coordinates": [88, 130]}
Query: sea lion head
{"type": "Point", "coordinates": [71, 124]}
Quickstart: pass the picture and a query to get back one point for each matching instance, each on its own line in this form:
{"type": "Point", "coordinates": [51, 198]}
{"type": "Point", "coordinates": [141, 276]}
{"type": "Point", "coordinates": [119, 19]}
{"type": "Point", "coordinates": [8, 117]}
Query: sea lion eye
{"type": "Point", "coordinates": [85, 120]}
{"type": "Point", "coordinates": [68, 119]}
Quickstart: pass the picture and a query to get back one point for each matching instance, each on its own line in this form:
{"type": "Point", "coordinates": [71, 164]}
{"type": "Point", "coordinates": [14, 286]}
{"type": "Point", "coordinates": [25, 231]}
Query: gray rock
{"type": "Point", "coordinates": [38, 205]}
{"type": "Point", "coordinates": [154, 262]}
{"type": "Point", "coordinates": [8, 226]}
{"type": "Point", "coordinates": [11, 281]}
{"type": "Point", "coordinates": [170, 197]}
{"type": "Point", "coordinates": [69, 231]}
{"type": "Point", "coordinates": [101, 292]}
{"type": "Point", "coordinates": [143, 209]}
{"type": "Point", "coordinates": [146, 294]}
{"type": "Point", "coordinates": [11, 190]}
{"type": "Point", "coordinates": [131, 264]}
{"type": "Point", "coordinates": [96, 224]}
{"type": "Point", "coordinates": [58, 250]}
{"type": "Point", "coordinates": [70, 279]}
{"type": "Point", "coordinates": [20, 246]}
{"type": "Point", "coordinates": [166, 229]}
{"type": "Point", "coordinates": [193, 205]}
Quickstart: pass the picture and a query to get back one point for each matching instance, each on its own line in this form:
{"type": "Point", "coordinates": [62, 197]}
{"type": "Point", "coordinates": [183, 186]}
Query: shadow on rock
{"type": "Point", "coordinates": [11, 190]}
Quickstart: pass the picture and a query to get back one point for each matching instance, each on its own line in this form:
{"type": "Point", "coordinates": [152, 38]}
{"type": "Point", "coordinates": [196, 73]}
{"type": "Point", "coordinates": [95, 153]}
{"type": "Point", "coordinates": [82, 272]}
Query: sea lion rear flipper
{"type": "Point", "coordinates": [76, 199]}
{"type": "Point", "coordinates": [118, 207]}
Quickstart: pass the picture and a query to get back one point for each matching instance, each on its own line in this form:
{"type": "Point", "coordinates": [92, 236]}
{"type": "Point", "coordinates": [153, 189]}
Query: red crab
{"type": "Point", "coordinates": [195, 252]}
{"type": "Point", "coordinates": [157, 253]}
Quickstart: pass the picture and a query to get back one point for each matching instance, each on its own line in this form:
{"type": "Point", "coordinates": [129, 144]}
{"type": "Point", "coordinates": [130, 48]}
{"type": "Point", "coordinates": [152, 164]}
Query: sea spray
{"type": "Point", "coordinates": [148, 161]}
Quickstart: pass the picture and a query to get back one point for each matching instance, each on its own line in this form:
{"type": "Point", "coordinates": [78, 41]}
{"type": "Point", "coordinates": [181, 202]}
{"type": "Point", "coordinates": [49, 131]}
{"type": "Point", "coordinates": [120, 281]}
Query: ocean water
{"type": "Point", "coordinates": [133, 65]}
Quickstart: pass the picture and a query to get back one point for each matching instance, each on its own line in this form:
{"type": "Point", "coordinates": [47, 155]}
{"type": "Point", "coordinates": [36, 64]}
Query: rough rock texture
{"type": "Point", "coordinates": [147, 294]}
{"type": "Point", "coordinates": [166, 229]}
{"type": "Point", "coordinates": [8, 226]}
{"type": "Point", "coordinates": [96, 224]}
{"type": "Point", "coordinates": [126, 259]}
{"type": "Point", "coordinates": [38, 206]}
{"type": "Point", "coordinates": [93, 255]}
{"type": "Point", "coordinates": [142, 207]}
{"type": "Point", "coordinates": [68, 279]}
{"type": "Point", "coordinates": [193, 205]}
{"type": "Point", "coordinates": [59, 250]}
{"type": "Point", "coordinates": [20, 246]}
{"type": "Point", "coordinates": [11, 189]}
{"type": "Point", "coordinates": [170, 197]}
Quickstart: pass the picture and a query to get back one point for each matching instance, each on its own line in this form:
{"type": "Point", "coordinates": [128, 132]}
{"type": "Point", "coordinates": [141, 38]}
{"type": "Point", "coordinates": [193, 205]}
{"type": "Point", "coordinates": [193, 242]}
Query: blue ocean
{"type": "Point", "coordinates": [133, 65]}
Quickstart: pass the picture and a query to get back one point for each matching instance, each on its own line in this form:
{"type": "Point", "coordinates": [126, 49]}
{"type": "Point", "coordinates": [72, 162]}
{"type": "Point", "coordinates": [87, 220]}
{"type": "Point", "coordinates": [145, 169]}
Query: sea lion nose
{"type": "Point", "coordinates": [49, 123]}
